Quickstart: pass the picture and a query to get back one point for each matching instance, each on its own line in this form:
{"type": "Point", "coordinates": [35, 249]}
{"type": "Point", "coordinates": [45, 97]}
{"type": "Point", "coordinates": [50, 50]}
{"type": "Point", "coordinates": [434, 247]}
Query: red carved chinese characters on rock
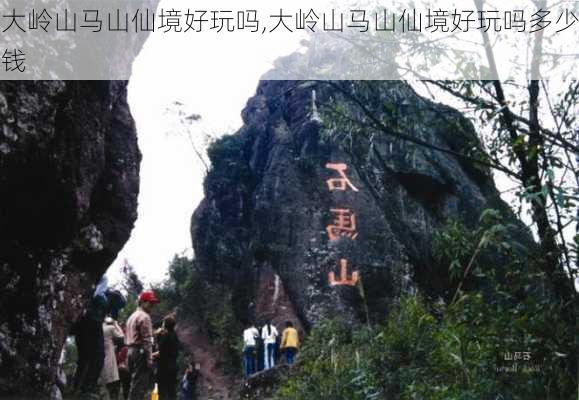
{"type": "Point", "coordinates": [344, 280]}
{"type": "Point", "coordinates": [344, 224]}
{"type": "Point", "coordinates": [341, 183]}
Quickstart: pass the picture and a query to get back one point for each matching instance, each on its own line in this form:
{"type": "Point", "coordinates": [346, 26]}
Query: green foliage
{"type": "Point", "coordinates": [335, 365]}
{"type": "Point", "coordinates": [209, 305]}
{"type": "Point", "coordinates": [531, 140]}
{"type": "Point", "coordinates": [418, 355]}
{"type": "Point", "coordinates": [131, 282]}
{"type": "Point", "coordinates": [451, 351]}
{"type": "Point", "coordinates": [468, 252]}
{"type": "Point", "coordinates": [225, 151]}
{"type": "Point", "coordinates": [229, 166]}
{"type": "Point", "coordinates": [451, 247]}
{"type": "Point", "coordinates": [132, 286]}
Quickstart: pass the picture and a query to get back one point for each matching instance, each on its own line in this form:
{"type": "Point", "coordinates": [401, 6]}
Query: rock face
{"type": "Point", "coordinates": [263, 384]}
{"type": "Point", "coordinates": [69, 169]}
{"type": "Point", "coordinates": [268, 204]}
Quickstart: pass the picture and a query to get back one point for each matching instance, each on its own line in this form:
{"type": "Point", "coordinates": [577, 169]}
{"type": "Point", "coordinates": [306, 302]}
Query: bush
{"type": "Point", "coordinates": [450, 351]}
{"type": "Point", "coordinates": [418, 356]}
{"type": "Point", "coordinates": [230, 168]}
{"type": "Point", "coordinates": [333, 365]}
{"type": "Point", "coordinates": [209, 306]}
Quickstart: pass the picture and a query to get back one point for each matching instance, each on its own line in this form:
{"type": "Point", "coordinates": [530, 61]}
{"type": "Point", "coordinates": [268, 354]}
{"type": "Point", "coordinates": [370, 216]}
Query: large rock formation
{"type": "Point", "coordinates": [69, 169]}
{"type": "Point", "coordinates": [268, 204]}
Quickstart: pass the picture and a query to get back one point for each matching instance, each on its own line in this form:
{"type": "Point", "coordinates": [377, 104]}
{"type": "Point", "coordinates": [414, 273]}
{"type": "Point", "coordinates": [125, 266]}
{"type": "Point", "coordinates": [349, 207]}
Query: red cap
{"type": "Point", "coordinates": [148, 295]}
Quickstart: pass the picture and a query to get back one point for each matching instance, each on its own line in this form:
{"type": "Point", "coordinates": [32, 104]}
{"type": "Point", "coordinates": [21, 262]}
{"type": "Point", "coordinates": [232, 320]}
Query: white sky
{"type": "Point", "coordinates": [211, 77]}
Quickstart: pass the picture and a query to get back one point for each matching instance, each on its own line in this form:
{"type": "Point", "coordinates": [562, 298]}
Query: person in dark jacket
{"type": "Point", "coordinates": [117, 302]}
{"type": "Point", "coordinates": [168, 345]}
{"type": "Point", "coordinates": [90, 343]}
{"type": "Point", "coordinates": [188, 382]}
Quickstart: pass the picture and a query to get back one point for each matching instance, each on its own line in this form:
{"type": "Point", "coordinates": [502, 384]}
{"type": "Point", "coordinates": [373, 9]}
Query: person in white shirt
{"type": "Point", "coordinates": [250, 336]}
{"type": "Point", "coordinates": [269, 335]}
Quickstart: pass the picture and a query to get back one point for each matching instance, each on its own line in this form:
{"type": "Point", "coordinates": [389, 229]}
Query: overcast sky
{"type": "Point", "coordinates": [211, 77]}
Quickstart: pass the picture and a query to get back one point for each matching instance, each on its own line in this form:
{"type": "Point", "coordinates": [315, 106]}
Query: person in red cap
{"type": "Point", "coordinates": [139, 339]}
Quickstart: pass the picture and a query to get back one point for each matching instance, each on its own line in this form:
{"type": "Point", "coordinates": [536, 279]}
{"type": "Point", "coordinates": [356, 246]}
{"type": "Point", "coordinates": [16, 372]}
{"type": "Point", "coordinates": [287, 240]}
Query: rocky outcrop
{"type": "Point", "coordinates": [268, 205]}
{"type": "Point", "coordinates": [69, 169]}
{"type": "Point", "coordinates": [262, 386]}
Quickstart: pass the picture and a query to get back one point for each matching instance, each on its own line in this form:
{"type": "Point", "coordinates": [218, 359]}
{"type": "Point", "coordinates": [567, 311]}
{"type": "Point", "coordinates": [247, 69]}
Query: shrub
{"type": "Point", "coordinates": [450, 351]}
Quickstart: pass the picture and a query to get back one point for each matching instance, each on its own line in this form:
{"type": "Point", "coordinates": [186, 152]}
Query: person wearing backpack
{"type": "Point", "coordinates": [269, 335]}
{"type": "Point", "coordinates": [90, 343]}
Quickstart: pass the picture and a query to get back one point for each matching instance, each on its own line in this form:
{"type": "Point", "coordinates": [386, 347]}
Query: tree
{"type": "Point", "coordinates": [528, 129]}
{"type": "Point", "coordinates": [184, 125]}
{"type": "Point", "coordinates": [131, 282]}
{"type": "Point", "coordinates": [528, 133]}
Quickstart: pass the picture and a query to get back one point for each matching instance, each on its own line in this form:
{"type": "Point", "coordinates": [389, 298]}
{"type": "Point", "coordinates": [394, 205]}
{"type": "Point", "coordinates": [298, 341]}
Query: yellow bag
{"type": "Point", "coordinates": [155, 394]}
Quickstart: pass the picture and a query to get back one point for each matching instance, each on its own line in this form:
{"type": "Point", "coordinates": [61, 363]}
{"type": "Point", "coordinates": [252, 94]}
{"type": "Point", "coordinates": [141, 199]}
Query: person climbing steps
{"type": "Point", "coordinates": [290, 342]}
{"type": "Point", "coordinates": [250, 336]}
{"type": "Point", "coordinates": [269, 335]}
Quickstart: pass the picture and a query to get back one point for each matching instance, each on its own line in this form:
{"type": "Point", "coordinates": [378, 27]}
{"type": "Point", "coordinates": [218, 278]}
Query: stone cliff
{"type": "Point", "coordinates": [274, 215]}
{"type": "Point", "coordinates": [69, 180]}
